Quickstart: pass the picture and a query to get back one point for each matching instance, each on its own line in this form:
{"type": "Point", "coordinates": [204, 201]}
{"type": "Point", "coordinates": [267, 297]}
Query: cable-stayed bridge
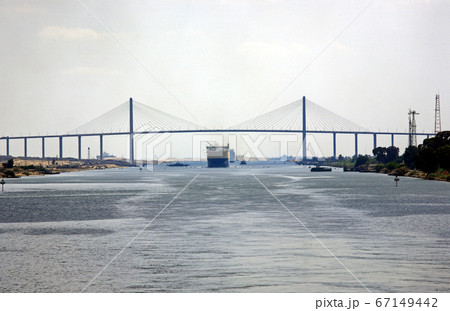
{"type": "Point", "coordinates": [133, 118]}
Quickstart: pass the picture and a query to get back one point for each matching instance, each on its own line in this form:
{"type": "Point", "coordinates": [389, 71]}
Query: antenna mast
{"type": "Point", "coordinates": [437, 115]}
{"type": "Point", "coordinates": [412, 128]}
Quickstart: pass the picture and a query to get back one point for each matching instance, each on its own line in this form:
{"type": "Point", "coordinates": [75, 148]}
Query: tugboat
{"type": "Point", "coordinates": [319, 168]}
{"type": "Point", "coordinates": [177, 164]}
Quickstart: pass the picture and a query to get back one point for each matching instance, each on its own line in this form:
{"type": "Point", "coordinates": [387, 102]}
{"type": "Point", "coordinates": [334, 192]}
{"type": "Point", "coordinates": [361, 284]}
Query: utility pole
{"type": "Point", "coordinates": [437, 115]}
{"type": "Point", "coordinates": [412, 128]}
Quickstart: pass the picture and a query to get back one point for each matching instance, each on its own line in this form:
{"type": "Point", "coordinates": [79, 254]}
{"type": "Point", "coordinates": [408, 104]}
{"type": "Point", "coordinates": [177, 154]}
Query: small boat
{"type": "Point", "coordinates": [177, 164]}
{"type": "Point", "coordinates": [50, 172]}
{"type": "Point", "coordinates": [243, 162]}
{"type": "Point", "coordinates": [320, 169]}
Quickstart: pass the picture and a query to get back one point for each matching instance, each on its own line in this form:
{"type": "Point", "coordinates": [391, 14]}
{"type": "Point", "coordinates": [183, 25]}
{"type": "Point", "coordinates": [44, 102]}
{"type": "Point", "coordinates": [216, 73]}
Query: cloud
{"type": "Point", "coordinates": [192, 33]}
{"type": "Point", "coordinates": [65, 33]}
{"type": "Point", "coordinates": [91, 71]}
{"type": "Point", "coordinates": [402, 4]}
{"type": "Point", "coordinates": [341, 47]}
{"type": "Point", "coordinates": [21, 8]}
{"type": "Point", "coordinates": [252, 2]}
{"type": "Point", "coordinates": [267, 50]}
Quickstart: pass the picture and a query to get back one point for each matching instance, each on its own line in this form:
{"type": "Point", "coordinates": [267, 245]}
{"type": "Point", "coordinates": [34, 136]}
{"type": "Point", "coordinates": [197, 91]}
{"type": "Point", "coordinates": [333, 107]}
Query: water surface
{"type": "Point", "coordinates": [225, 232]}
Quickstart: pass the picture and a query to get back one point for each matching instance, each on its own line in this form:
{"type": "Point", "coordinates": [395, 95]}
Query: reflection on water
{"type": "Point", "coordinates": [225, 232]}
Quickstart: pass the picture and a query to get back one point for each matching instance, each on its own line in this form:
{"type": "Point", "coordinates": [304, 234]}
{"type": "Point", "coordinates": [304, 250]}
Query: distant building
{"type": "Point", "coordinates": [106, 155]}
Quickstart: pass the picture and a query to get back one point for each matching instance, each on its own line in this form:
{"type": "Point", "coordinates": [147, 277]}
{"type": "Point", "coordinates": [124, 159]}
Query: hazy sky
{"type": "Point", "coordinates": [224, 60]}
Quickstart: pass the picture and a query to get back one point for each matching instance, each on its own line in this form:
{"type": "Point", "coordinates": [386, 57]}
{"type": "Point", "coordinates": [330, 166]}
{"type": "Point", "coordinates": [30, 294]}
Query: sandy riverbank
{"type": "Point", "coordinates": [37, 166]}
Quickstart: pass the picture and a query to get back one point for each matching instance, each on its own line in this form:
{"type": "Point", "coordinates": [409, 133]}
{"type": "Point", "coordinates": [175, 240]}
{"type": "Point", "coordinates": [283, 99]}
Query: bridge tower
{"type": "Point", "coordinates": [412, 128]}
{"type": "Point", "coordinates": [437, 115]}
{"type": "Point", "coordinates": [304, 129]}
{"type": "Point", "coordinates": [131, 132]}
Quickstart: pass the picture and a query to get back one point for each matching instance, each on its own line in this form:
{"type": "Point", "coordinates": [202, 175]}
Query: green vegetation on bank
{"type": "Point", "coordinates": [10, 170]}
{"type": "Point", "coordinates": [431, 160]}
{"type": "Point", "coordinates": [7, 169]}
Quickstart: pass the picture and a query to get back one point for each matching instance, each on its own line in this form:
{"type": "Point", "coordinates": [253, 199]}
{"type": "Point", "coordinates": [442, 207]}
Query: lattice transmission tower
{"type": "Point", "coordinates": [412, 128]}
{"type": "Point", "coordinates": [437, 115]}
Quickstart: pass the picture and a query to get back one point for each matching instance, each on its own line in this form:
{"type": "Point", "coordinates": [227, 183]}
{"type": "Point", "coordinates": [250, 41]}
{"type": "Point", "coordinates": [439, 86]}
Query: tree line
{"type": "Point", "coordinates": [433, 154]}
{"type": "Point", "coordinates": [431, 157]}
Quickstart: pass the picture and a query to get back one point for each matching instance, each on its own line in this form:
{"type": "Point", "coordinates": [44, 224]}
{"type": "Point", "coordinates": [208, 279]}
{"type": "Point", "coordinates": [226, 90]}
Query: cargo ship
{"type": "Point", "coordinates": [218, 156]}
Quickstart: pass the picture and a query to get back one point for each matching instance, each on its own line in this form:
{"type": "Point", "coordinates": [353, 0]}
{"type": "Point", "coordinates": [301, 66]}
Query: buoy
{"type": "Point", "coordinates": [396, 180]}
{"type": "Point", "coordinates": [3, 183]}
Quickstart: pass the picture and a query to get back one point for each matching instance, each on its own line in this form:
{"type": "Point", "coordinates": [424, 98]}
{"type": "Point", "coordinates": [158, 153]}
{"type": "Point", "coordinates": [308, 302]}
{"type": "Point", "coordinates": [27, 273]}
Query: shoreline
{"type": "Point", "coordinates": [405, 172]}
{"type": "Point", "coordinates": [50, 166]}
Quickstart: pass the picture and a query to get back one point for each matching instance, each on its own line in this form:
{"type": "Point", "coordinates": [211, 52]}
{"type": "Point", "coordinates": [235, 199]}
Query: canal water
{"type": "Point", "coordinates": [272, 228]}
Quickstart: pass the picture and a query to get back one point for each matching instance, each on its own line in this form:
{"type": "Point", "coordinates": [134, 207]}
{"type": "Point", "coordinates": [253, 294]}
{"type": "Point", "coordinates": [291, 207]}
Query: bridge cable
{"type": "Point", "coordinates": [317, 56]}
{"type": "Point", "coordinates": [136, 59]}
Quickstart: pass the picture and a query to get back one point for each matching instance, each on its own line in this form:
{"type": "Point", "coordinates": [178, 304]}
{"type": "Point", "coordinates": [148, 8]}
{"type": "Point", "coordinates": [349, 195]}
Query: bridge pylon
{"type": "Point", "coordinates": [131, 132]}
{"type": "Point", "coordinates": [304, 128]}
